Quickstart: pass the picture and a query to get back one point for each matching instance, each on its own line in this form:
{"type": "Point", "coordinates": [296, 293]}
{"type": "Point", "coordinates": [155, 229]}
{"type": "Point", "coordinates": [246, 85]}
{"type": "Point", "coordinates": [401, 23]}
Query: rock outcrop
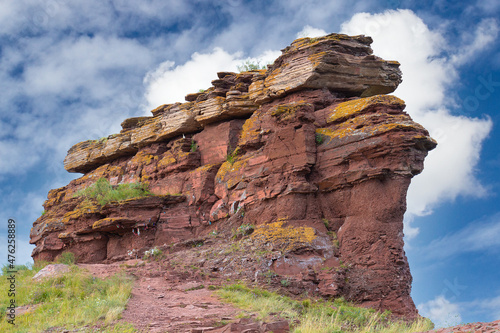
{"type": "Point", "coordinates": [311, 155]}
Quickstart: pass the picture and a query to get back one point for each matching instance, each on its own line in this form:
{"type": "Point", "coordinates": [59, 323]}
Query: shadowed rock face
{"type": "Point", "coordinates": [311, 152]}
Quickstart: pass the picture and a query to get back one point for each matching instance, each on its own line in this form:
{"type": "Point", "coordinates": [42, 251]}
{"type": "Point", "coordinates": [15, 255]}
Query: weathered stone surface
{"type": "Point", "coordinates": [50, 271]}
{"type": "Point", "coordinates": [336, 62]}
{"type": "Point", "coordinates": [309, 153]}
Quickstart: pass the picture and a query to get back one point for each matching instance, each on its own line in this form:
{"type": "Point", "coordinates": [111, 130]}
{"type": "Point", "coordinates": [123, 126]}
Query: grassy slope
{"type": "Point", "coordinates": [72, 300]}
{"type": "Point", "coordinates": [318, 316]}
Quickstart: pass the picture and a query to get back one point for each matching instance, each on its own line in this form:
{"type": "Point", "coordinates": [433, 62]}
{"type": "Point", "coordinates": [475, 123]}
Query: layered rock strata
{"type": "Point", "coordinates": [310, 152]}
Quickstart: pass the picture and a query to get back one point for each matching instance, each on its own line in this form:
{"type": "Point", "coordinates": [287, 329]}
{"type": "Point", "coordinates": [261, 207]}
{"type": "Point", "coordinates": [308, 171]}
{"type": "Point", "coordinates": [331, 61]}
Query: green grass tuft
{"type": "Point", "coordinates": [317, 316]}
{"type": "Point", "coordinates": [251, 66]}
{"type": "Point", "coordinates": [103, 192]}
{"type": "Point", "coordinates": [73, 300]}
{"type": "Point", "coordinates": [67, 258]}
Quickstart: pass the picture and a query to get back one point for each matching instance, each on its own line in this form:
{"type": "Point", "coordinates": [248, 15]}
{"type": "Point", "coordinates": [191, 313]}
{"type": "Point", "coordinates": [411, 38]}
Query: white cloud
{"type": "Point", "coordinates": [491, 306]}
{"type": "Point", "coordinates": [479, 236]}
{"type": "Point", "coordinates": [427, 76]}
{"type": "Point", "coordinates": [484, 34]}
{"type": "Point", "coordinates": [169, 84]}
{"type": "Point", "coordinates": [309, 31]}
{"type": "Point", "coordinates": [87, 63]}
{"type": "Point", "coordinates": [441, 311]}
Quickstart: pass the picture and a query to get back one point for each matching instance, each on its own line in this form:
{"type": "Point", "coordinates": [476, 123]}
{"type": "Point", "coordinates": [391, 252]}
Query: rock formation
{"type": "Point", "coordinates": [311, 155]}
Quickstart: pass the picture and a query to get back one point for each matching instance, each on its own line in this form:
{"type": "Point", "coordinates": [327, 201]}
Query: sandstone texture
{"type": "Point", "coordinates": [305, 164]}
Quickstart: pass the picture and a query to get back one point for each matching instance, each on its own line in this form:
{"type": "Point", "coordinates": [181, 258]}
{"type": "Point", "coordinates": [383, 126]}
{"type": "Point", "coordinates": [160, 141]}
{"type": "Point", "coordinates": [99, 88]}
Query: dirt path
{"type": "Point", "coordinates": [162, 301]}
{"type": "Point", "coordinates": [158, 304]}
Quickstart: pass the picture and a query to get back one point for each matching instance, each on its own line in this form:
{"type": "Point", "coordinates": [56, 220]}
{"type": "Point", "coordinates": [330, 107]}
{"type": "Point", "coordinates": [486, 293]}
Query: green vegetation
{"type": "Point", "coordinates": [318, 316]}
{"type": "Point", "coordinates": [243, 230]}
{"type": "Point", "coordinates": [320, 138]}
{"type": "Point", "coordinates": [231, 157]}
{"type": "Point", "coordinates": [251, 66]}
{"type": "Point", "coordinates": [69, 301]}
{"type": "Point", "coordinates": [194, 146]}
{"type": "Point", "coordinates": [154, 253]}
{"type": "Point", "coordinates": [67, 258]}
{"type": "Point", "coordinates": [202, 90]}
{"type": "Point", "coordinates": [103, 192]}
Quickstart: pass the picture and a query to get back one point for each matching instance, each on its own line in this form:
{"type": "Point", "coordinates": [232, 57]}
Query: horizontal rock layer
{"type": "Point", "coordinates": [310, 152]}
{"type": "Point", "coordinates": [336, 62]}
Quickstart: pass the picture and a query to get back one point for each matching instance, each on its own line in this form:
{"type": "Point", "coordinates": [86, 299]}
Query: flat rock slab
{"type": "Point", "coordinates": [52, 270]}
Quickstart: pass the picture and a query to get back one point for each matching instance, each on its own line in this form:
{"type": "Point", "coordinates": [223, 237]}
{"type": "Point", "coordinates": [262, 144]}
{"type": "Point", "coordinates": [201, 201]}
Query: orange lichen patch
{"type": "Point", "coordinates": [316, 58]}
{"type": "Point", "coordinates": [171, 157]}
{"type": "Point", "coordinates": [106, 222]}
{"type": "Point", "coordinates": [260, 71]}
{"type": "Point", "coordinates": [329, 134]}
{"type": "Point", "coordinates": [86, 207]}
{"type": "Point", "coordinates": [250, 130]}
{"type": "Point", "coordinates": [168, 158]}
{"type": "Point", "coordinates": [272, 76]}
{"type": "Point", "coordinates": [308, 42]}
{"type": "Point", "coordinates": [352, 108]}
{"type": "Point", "coordinates": [63, 235]}
{"type": "Point", "coordinates": [286, 112]}
{"type": "Point", "coordinates": [55, 196]}
{"type": "Point", "coordinates": [231, 173]}
{"type": "Point", "coordinates": [203, 168]}
{"type": "Point", "coordinates": [143, 158]}
{"type": "Point", "coordinates": [366, 125]}
{"type": "Point", "coordinates": [284, 238]}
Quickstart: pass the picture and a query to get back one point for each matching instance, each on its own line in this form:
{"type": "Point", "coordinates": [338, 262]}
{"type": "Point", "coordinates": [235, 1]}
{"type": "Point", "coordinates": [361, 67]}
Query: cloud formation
{"type": "Point", "coordinates": [169, 83]}
{"type": "Point", "coordinates": [441, 311]}
{"type": "Point", "coordinates": [428, 76]}
{"type": "Point", "coordinates": [479, 236]}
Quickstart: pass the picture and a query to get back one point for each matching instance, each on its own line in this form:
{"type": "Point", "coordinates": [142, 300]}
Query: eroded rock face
{"type": "Point", "coordinates": [310, 152]}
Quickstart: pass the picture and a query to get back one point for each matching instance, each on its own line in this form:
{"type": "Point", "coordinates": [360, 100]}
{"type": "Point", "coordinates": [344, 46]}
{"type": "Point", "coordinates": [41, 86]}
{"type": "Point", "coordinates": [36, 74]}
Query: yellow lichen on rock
{"type": "Point", "coordinates": [282, 237]}
{"type": "Point", "coordinates": [230, 173]}
{"type": "Point", "coordinates": [142, 158]}
{"type": "Point", "coordinates": [250, 131]}
{"type": "Point", "coordinates": [86, 207]}
{"type": "Point", "coordinates": [286, 112]}
{"type": "Point", "coordinates": [352, 108]}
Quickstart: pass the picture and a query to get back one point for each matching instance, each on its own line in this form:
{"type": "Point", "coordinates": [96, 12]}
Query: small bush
{"type": "Point", "coordinates": [231, 157]}
{"type": "Point", "coordinates": [103, 192]}
{"type": "Point", "coordinates": [194, 146]}
{"type": "Point", "coordinates": [251, 66]}
{"type": "Point", "coordinates": [319, 139]}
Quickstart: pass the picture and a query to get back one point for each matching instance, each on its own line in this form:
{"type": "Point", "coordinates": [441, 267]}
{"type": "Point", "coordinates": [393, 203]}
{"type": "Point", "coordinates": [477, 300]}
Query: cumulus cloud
{"type": "Point", "coordinates": [484, 34]}
{"type": "Point", "coordinates": [309, 31]}
{"type": "Point", "coordinates": [427, 76]}
{"type": "Point", "coordinates": [441, 311]}
{"type": "Point", "coordinates": [169, 83]}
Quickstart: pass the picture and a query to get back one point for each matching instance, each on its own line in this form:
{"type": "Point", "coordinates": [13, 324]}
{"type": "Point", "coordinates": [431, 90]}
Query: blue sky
{"type": "Point", "coordinates": [73, 70]}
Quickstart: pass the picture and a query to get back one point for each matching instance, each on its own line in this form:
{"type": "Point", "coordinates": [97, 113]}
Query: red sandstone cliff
{"type": "Point", "coordinates": [310, 152]}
